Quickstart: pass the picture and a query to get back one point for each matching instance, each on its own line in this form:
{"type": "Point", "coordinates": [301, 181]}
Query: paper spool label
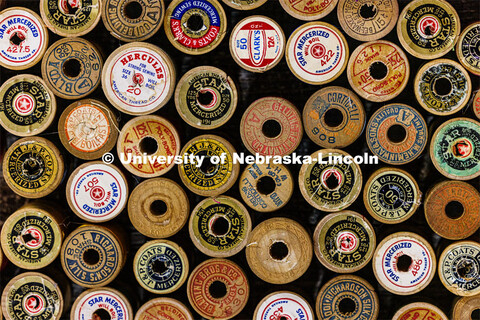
{"type": "Point", "coordinates": [476, 104]}
{"type": "Point", "coordinates": [257, 43]}
{"type": "Point", "coordinates": [468, 48]}
{"type": "Point", "coordinates": [308, 10]}
{"type": "Point", "coordinates": [420, 310]}
{"type": "Point", "coordinates": [109, 300]}
{"type": "Point", "coordinates": [283, 305]}
{"type": "Point", "coordinates": [317, 53]}
{"type": "Point", "coordinates": [23, 38]}
{"type": "Point", "coordinates": [164, 308]}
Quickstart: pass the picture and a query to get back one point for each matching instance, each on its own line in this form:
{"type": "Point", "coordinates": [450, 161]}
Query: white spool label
{"type": "Point", "coordinates": [101, 300]}
{"type": "Point", "coordinates": [286, 305]}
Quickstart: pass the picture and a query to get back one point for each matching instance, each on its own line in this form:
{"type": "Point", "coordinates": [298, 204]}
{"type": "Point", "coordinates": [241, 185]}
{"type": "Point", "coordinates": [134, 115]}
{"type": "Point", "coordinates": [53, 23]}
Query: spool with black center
{"type": "Point", "coordinates": [281, 305]}
{"type": "Point", "coordinates": [101, 304]}
{"type": "Point", "coordinates": [467, 308]}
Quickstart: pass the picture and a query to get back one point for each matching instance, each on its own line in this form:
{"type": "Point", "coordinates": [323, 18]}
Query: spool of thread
{"type": "Point", "coordinates": [244, 4]}
{"type": "Point", "coordinates": [466, 307]}
{"type": "Point", "coordinates": [101, 303]}
{"type": "Point", "coordinates": [467, 48]}
{"type": "Point", "coordinates": [476, 104]}
{"type": "Point", "coordinates": [161, 308]}
{"type": "Point", "coordinates": [420, 310]}
{"type": "Point", "coordinates": [308, 10]}
{"type": "Point", "coordinates": [283, 305]}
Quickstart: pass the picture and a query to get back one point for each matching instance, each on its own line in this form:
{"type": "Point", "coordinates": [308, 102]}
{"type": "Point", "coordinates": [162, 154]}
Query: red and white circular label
{"type": "Point", "coordinates": [32, 237]}
{"type": "Point", "coordinates": [33, 304]}
{"type": "Point", "coordinates": [23, 104]}
{"type": "Point", "coordinates": [347, 241]}
{"type": "Point", "coordinates": [428, 26]}
{"type": "Point", "coordinates": [283, 305]}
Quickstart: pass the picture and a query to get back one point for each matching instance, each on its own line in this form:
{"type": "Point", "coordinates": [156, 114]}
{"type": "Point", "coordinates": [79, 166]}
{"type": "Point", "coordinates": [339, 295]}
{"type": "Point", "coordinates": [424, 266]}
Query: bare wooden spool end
{"type": "Point", "coordinates": [168, 307]}
{"type": "Point", "coordinates": [308, 10]}
{"type": "Point", "coordinates": [465, 308]}
{"type": "Point", "coordinates": [424, 310]}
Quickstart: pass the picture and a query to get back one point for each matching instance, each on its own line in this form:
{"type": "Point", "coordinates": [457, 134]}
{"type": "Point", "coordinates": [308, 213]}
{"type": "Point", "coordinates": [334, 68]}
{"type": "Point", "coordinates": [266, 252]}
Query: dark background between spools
{"type": "Point", "coordinates": [251, 86]}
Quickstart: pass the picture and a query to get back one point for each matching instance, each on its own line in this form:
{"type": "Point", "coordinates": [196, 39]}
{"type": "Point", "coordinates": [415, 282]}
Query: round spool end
{"type": "Point", "coordinates": [286, 304]}
{"type": "Point", "coordinates": [466, 307]}
{"type": "Point", "coordinates": [422, 309]}
{"type": "Point", "coordinates": [467, 48]}
{"type": "Point", "coordinates": [244, 4]}
{"type": "Point", "coordinates": [172, 308]}
{"type": "Point", "coordinates": [106, 302]}
{"type": "Point", "coordinates": [307, 10]}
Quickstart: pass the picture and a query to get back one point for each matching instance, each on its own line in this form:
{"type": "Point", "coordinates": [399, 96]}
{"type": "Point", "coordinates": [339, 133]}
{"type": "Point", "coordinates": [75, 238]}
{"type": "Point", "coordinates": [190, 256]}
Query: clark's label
{"type": "Point", "coordinates": [468, 51]}
{"type": "Point", "coordinates": [347, 130]}
{"type": "Point", "coordinates": [344, 241]}
{"type": "Point", "coordinates": [195, 26]}
{"type": "Point", "coordinates": [108, 300]}
{"type": "Point", "coordinates": [27, 106]}
{"type": "Point", "coordinates": [378, 137]}
{"type": "Point", "coordinates": [428, 29]}
{"type": "Point", "coordinates": [23, 38]}
{"type": "Point", "coordinates": [59, 68]}
{"type": "Point", "coordinates": [34, 296]}
{"type": "Point", "coordinates": [70, 18]}
{"type": "Point", "coordinates": [257, 43]}
{"type": "Point", "coordinates": [231, 276]}
{"type": "Point", "coordinates": [347, 287]}
{"type": "Point", "coordinates": [123, 26]}
{"type": "Point", "coordinates": [283, 305]}
{"type": "Point", "coordinates": [308, 10]}
{"type": "Point", "coordinates": [97, 192]}
{"type": "Point", "coordinates": [317, 53]}
{"type": "Point", "coordinates": [391, 266]}
{"type": "Point", "coordinates": [164, 308]}
{"type": "Point", "coordinates": [455, 149]}
{"type": "Point", "coordinates": [91, 256]}
{"type": "Point", "coordinates": [206, 97]}
{"type": "Point", "coordinates": [420, 310]}
{"type": "Point", "coordinates": [391, 195]}
{"type": "Point", "coordinates": [161, 266]}
{"type": "Point", "coordinates": [428, 87]}
{"type": "Point", "coordinates": [138, 78]}
{"type": "Point", "coordinates": [459, 268]}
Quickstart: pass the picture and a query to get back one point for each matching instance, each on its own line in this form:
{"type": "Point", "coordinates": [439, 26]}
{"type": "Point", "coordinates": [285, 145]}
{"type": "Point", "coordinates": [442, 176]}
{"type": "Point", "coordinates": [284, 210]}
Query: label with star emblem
{"type": "Point", "coordinates": [164, 308]}
{"type": "Point", "coordinates": [420, 310]}
{"type": "Point", "coordinates": [468, 48]}
{"type": "Point", "coordinates": [283, 305]}
{"type": "Point", "coordinates": [99, 302]}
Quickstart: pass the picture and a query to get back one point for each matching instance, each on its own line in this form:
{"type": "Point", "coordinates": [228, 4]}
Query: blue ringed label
{"type": "Point", "coordinates": [106, 299]}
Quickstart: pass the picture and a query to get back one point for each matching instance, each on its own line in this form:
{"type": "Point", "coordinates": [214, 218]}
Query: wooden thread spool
{"type": "Point", "coordinates": [159, 308]}
{"type": "Point", "coordinates": [329, 52]}
{"type": "Point", "coordinates": [75, 73]}
{"type": "Point", "coordinates": [71, 19]}
{"type": "Point", "coordinates": [27, 105]}
{"type": "Point", "coordinates": [391, 195]}
{"type": "Point", "coordinates": [420, 310]}
{"type": "Point", "coordinates": [149, 137]}
{"type": "Point", "coordinates": [209, 178]}
{"type": "Point", "coordinates": [136, 20]}
{"type": "Point", "coordinates": [283, 305]}
{"type": "Point", "coordinates": [271, 126]}
{"type": "Point", "coordinates": [93, 255]}
{"type": "Point", "coordinates": [88, 129]}
{"type": "Point", "coordinates": [330, 186]}
{"type": "Point", "coordinates": [269, 47]}
{"type": "Point", "coordinates": [32, 236]}
{"type": "Point", "coordinates": [467, 48]}
{"type": "Point", "coordinates": [344, 241]}
{"type": "Point", "coordinates": [347, 296]}
{"type": "Point", "coordinates": [466, 307]}
{"type": "Point", "coordinates": [397, 134]}
{"type": "Point", "coordinates": [206, 97]}
{"type": "Point", "coordinates": [138, 78]}
{"type": "Point", "coordinates": [158, 208]}
{"type": "Point", "coordinates": [404, 263]}
{"type": "Point", "coordinates": [218, 289]}
{"type": "Point", "coordinates": [33, 167]}
{"type": "Point", "coordinates": [103, 303]}
{"type": "Point", "coordinates": [308, 10]}
{"type": "Point", "coordinates": [244, 4]}
{"type": "Point", "coordinates": [266, 187]}
{"type": "Point", "coordinates": [476, 104]}
{"type": "Point", "coordinates": [334, 117]}
{"type": "Point", "coordinates": [25, 47]}
{"type": "Point", "coordinates": [455, 149]}
{"type": "Point", "coordinates": [366, 20]}
{"type": "Point", "coordinates": [451, 209]}
{"type": "Point", "coordinates": [195, 27]}
{"type": "Point", "coordinates": [32, 295]}
{"type": "Point", "coordinates": [378, 71]}
{"type": "Point", "coordinates": [97, 192]}
{"type": "Point", "coordinates": [160, 266]}
{"type": "Point", "coordinates": [459, 268]}
{"type": "Point", "coordinates": [279, 250]}
{"type": "Point", "coordinates": [428, 29]}
{"type": "Point", "coordinates": [220, 226]}
{"type": "Point", "coordinates": [442, 87]}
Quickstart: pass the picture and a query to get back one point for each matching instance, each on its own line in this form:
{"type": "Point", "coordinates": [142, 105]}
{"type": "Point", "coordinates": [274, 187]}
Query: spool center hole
{"type": "Point", "coordinates": [217, 289]}
{"type": "Point", "coordinates": [368, 11]}
{"type": "Point", "coordinates": [17, 38]}
{"type": "Point", "coordinates": [333, 117]}
{"type": "Point", "coordinates": [148, 145]}
{"type": "Point", "coordinates": [378, 70]}
{"type": "Point", "coordinates": [428, 31]}
{"type": "Point", "coordinates": [266, 185]}
{"type": "Point", "coordinates": [476, 314]}
{"type": "Point", "coordinates": [205, 98]}
{"type": "Point", "coordinates": [454, 209]}
{"type": "Point", "coordinates": [207, 167]}
{"type": "Point", "coordinates": [158, 207]}
{"type": "Point", "coordinates": [403, 263]}
{"type": "Point", "coordinates": [346, 306]}
{"type": "Point", "coordinates": [278, 250]}
{"type": "Point", "coordinates": [91, 257]}
{"type": "Point", "coordinates": [159, 267]}
{"type": "Point", "coordinates": [133, 10]}
{"type": "Point", "coordinates": [442, 86]}
{"type": "Point", "coordinates": [31, 167]}
{"type": "Point", "coordinates": [332, 182]}
{"type": "Point", "coordinates": [220, 226]}
{"type": "Point", "coordinates": [28, 237]}
{"type": "Point", "coordinates": [72, 68]}
{"type": "Point", "coordinates": [396, 133]}
{"type": "Point", "coordinates": [271, 128]}
{"type": "Point", "coordinates": [101, 314]}
{"type": "Point", "coordinates": [465, 270]}
{"type": "Point", "coordinates": [195, 22]}
{"type": "Point", "coordinates": [283, 318]}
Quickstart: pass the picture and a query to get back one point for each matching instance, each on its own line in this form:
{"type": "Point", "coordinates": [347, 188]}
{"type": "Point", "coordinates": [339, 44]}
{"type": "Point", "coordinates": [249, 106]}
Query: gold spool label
{"type": "Point", "coordinates": [468, 48]}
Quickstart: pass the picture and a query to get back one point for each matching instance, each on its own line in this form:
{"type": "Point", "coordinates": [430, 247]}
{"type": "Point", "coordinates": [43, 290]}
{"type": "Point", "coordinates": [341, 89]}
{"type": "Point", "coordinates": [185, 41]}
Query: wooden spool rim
{"type": "Point", "coordinates": [306, 16]}
{"type": "Point", "coordinates": [422, 305]}
{"type": "Point", "coordinates": [459, 49]}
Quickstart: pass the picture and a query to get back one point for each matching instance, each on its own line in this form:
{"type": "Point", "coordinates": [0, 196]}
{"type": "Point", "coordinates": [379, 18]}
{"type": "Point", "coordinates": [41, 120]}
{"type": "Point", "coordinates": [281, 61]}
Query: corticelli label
{"type": "Point", "coordinates": [392, 152]}
{"type": "Point", "coordinates": [455, 148]}
{"type": "Point", "coordinates": [23, 38]}
{"type": "Point", "coordinates": [257, 43]}
{"type": "Point", "coordinates": [164, 308]}
{"type": "Point", "coordinates": [98, 192]}
{"type": "Point", "coordinates": [468, 51]}
{"type": "Point", "coordinates": [308, 10]}
{"type": "Point", "coordinates": [107, 300]}
{"type": "Point", "coordinates": [317, 53]}
{"type": "Point", "coordinates": [283, 305]}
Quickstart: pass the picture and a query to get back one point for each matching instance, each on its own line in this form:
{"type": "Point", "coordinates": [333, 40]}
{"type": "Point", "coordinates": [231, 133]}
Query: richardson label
{"type": "Point", "coordinates": [460, 268]}
{"type": "Point", "coordinates": [284, 305]}
{"type": "Point", "coordinates": [105, 300]}
{"type": "Point", "coordinates": [71, 17]}
{"type": "Point", "coordinates": [469, 48]}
